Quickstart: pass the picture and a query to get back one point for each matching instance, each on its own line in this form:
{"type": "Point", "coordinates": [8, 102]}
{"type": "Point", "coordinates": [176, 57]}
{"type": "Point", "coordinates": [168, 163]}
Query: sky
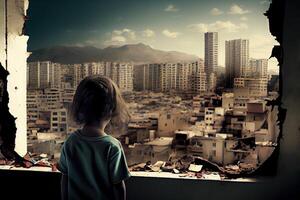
{"type": "Point", "coordinates": [173, 25]}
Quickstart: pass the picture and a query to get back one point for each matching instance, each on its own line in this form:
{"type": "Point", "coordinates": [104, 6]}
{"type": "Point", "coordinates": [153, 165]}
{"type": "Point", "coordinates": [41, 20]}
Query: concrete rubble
{"type": "Point", "coordinates": [189, 166]}
{"type": "Point", "coordinates": [29, 161]}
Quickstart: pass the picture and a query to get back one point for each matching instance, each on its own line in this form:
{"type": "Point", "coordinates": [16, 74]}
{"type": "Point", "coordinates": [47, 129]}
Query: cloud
{"type": "Point", "coordinates": [218, 26]}
{"type": "Point", "coordinates": [237, 10]}
{"type": "Point", "coordinates": [244, 18]}
{"type": "Point", "coordinates": [127, 33]}
{"type": "Point", "coordinates": [170, 34]}
{"type": "Point", "coordinates": [261, 45]}
{"type": "Point", "coordinates": [171, 8]}
{"type": "Point", "coordinates": [118, 37]}
{"type": "Point", "coordinates": [216, 11]}
{"type": "Point", "coordinates": [264, 2]}
{"type": "Point", "coordinates": [148, 33]}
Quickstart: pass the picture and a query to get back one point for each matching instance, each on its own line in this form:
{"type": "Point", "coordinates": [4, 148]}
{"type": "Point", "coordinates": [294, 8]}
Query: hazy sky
{"type": "Point", "coordinates": [163, 24]}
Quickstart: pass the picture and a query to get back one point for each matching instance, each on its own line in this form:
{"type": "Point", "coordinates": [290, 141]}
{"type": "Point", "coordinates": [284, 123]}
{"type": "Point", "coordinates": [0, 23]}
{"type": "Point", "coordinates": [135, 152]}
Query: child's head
{"type": "Point", "coordinates": [98, 99]}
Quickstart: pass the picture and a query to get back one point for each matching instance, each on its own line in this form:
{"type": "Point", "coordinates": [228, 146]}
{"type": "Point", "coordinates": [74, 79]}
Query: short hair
{"type": "Point", "coordinates": [98, 98]}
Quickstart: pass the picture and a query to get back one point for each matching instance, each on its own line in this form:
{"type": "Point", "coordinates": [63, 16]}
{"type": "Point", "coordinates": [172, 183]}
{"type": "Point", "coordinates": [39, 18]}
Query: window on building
{"type": "Point", "coordinates": [214, 153]}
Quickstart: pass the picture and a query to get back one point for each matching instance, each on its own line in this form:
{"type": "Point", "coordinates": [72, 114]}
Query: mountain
{"type": "Point", "coordinates": [137, 53]}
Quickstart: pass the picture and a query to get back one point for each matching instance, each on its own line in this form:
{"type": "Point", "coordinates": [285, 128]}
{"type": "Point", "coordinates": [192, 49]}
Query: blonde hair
{"type": "Point", "coordinates": [98, 98]}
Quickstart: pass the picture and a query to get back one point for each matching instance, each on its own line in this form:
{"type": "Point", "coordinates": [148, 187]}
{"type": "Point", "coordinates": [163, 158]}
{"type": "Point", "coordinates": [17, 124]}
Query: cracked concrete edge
{"type": "Point", "coordinates": [16, 56]}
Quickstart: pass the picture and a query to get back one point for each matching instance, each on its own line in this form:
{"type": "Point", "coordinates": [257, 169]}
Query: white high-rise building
{"type": "Point", "coordinates": [164, 77]}
{"type": "Point", "coordinates": [197, 77]}
{"type": "Point", "coordinates": [236, 60]}
{"type": "Point", "coordinates": [122, 75]}
{"type": "Point", "coordinates": [43, 74]}
{"type": "Point", "coordinates": [258, 68]}
{"type": "Point", "coordinates": [211, 58]}
{"type": "Point", "coordinates": [183, 76]}
{"type": "Point", "coordinates": [168, 76]}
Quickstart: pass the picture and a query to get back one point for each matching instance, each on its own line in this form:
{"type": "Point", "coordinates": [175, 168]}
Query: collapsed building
{"type": "Point", "coordinates": [234, 134]}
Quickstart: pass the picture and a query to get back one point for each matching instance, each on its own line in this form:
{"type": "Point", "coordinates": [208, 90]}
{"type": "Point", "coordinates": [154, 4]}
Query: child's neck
{"type": "Point", "coordinates": [93, 130]}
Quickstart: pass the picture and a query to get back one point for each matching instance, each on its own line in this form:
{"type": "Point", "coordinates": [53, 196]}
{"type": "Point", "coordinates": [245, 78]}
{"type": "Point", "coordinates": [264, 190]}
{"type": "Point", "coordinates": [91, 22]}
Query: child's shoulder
{"type": "Point", "coordinates": [113, 141]}
{"type": "Point", "coordinates": [77, 136]}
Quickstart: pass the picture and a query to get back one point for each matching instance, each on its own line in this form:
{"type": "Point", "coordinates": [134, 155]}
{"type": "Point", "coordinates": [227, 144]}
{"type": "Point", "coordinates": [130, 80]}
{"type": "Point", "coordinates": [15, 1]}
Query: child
{"type": "Point", "coordinates": [92, 163]}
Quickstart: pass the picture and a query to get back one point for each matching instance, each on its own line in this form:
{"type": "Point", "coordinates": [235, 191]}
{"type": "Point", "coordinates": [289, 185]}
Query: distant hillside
{"type": "Point", "coordinates": [138, 53]}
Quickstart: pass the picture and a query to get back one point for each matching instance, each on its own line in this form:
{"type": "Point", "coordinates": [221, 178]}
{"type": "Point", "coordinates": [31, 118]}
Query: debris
{"type": "Point", "coordinates": [183, 175]}
{"type": "Point", "coordinates": [43, 163]}
{"type": "Point", "coordinates": [212, 176]}
{"type": "Point", "coordinates": [54, 167]}
{"type": "Point", "coordinates": [199, 175]}
{"type": "Point", "coordinates": [232, 167]}
{"type": "Point", "coordinates": [168, 166]}
{"type": "Point", "coordinates": [156, 167]}
{"type": "Point", "coordinates": [208, 165]}
{"type": "Point", "coordinates": [138, 167]}
{"type": "Point", "coordinates": [43, 155]}
{"type": "Point", "coordinates": [195, 168]}
{"type": "Point", "coordinates": [2, 162]}
{"type": "Point", "coordinates": [183, 163]}
{"type": "Point", "coordinates": [247, 166]}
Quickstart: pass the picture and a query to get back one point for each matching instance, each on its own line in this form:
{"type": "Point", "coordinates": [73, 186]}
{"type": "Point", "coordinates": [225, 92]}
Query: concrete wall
{"type": "Point", "coordinates": [16, 65]}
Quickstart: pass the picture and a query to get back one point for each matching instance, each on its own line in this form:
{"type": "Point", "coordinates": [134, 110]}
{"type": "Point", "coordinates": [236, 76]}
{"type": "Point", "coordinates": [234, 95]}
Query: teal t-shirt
{"type": "Point", "coordinates": [93, 165]}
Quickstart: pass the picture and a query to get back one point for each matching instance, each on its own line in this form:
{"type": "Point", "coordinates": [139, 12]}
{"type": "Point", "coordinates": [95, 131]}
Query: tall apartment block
{"type": "Point", "coordinates": [258, 68]}
{"type": "Point", "coordinates": [154, 75]}
{"type": "Point", "coordinates": [163, 77]}
{"type": "Point", "coordinates": [121, 73]}
{"type": "Point", "coordinates": [236, 60]}
{"type": "Point", "coordinates": [43, 74]}
{"type": "Point", "coordinates": [168, 73]}
{"type": "Point", "coordinates": [211, 58]}
{"type": "Point", "coordinates": [197, 77]}
{"type": "Point", "coordinates": [255, 81]}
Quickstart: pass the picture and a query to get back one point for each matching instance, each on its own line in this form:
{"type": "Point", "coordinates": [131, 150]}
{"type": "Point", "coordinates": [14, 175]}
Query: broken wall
{"type": "Point", "coordinates": [12, 20]}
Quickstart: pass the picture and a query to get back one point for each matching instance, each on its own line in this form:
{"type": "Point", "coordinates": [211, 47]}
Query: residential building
{"type": "Point", "coordinates": [43, 74]}
{"type": "Point", "coordinates": [236, 60]}
{"type": "Point", "coordinates": [258, 68]}
{"type": "Point", "coordinates": [252, 87]}
{"type": "Point", "coordinates": [211, 58]}
{"type": "Point", "coordinates": [58, 120]}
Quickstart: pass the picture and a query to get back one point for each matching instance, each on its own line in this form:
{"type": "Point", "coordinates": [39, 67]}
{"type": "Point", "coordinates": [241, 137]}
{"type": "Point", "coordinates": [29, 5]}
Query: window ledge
{"type": "Point", "coordinates": [166, 175]}
{"type": "Point", "coordinates": [180, 176]}
{"type": "Point", "coordinates": [34, 168]}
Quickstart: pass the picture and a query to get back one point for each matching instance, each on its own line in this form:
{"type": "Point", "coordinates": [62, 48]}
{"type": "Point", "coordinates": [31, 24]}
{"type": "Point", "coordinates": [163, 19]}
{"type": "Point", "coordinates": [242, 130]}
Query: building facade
{"type": "Point", "coordinates": [236, 60]}
{"type": "Point", "coordinates": [43, 74]}
{"type": "Point", "coordinates": [211, 58]}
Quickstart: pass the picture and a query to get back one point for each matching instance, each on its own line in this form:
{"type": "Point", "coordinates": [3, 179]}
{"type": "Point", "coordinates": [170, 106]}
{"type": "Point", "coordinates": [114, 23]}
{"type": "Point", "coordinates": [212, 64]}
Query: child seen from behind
{"type": "Point", "coordinates": [93, 163]}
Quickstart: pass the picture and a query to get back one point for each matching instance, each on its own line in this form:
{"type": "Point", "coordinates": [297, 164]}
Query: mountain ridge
{"type": "Point", "coordinates": [136, 53]}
